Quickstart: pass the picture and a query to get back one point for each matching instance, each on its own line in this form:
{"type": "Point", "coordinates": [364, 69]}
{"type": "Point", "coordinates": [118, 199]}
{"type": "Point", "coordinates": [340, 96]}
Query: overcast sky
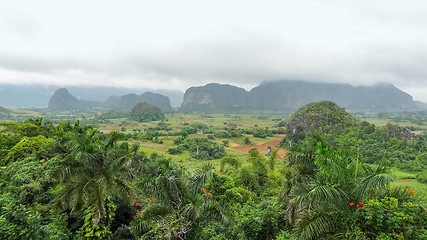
{"type": "Point", "coordinates": [177, 44]}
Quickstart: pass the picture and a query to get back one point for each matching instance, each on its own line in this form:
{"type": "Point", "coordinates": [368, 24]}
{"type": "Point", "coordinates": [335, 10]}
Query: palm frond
{"type": "Point", "coordinates": [372, 182]}
{"type": "Point", "coordinates": [313, 225]}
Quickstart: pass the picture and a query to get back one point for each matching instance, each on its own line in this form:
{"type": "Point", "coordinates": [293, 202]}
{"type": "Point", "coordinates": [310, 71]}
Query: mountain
{"type": "Point", "coordinates": [4, 110]}
{"type": "Point", "coordinates": [30, 96]}
{"type": "Point", "coordinates": [421, 105]}
{"type": "Point", "coordinates": [285, 95]}
{"type": "Point", "coordinates": [63, 100]}
{"type": "Point", "coordinates": [128, 101]}
{"type": "Point", "coordinates": [160, 100]}
{"type": "Point", "coordinates": [214, 96]}
{"type": "Point", "coordinates": [291, 95]}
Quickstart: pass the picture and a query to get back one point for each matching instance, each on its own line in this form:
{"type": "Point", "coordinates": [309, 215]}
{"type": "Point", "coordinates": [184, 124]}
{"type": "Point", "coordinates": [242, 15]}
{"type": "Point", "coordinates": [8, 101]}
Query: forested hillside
{"type": "Point", "coordinates": [291, 95]}
{"type": "Point", "coordinates": [63, 100]}
{"type": "Point", "coordinates": [38, 95]}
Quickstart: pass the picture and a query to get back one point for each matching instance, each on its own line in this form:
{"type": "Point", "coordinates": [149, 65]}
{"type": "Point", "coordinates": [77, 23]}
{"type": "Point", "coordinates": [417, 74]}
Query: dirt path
{"type": "Point", "coordinates": [261, 148]}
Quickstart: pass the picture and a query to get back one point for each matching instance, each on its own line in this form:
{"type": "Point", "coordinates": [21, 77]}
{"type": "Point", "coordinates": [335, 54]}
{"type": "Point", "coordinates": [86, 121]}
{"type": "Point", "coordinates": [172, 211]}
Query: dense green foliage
{"type": "Point", "coordinates": [339, 129]}
{"type": "Point", "coordinates": [319, 118]}
{"type": "Point", "coordinates": [200, 148]}
{"type": "Point", "coordinates": [68, 181]}
{"type": "Point", "coordinates": [144, 112]}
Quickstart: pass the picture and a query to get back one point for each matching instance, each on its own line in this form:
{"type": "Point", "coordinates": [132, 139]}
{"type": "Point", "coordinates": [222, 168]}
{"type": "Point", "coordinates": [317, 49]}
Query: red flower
{"type": "Point", "coordinates": [351, 204]}
{"type": "Point", "coordinates": [392, 229]}
{"type": "Point", "coordinates": [209, 194]}
{"type": "Point", "coordinates": [151, 198]}
{"type": "Point", "coordinates": [137, 204]}
{"type": "Point", "coordinates": [138, 212]}
{"type": "Point", "coordinates": [146, 197]}
{"type": "Point", "coordinates": [404, 189]}
{"type": "Point", "coordinates": [210, 191]}
{"type": "Point", "coordinates": [136, 196]}
{"type": "Point", "coordinates": [361, 203]}
{"type": "Point", "coordinates": [357, 205]}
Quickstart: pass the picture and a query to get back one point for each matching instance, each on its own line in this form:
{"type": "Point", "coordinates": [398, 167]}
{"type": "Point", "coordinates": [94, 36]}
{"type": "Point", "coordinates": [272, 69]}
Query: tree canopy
{"type": "Point", "coordinates": [145, 112]}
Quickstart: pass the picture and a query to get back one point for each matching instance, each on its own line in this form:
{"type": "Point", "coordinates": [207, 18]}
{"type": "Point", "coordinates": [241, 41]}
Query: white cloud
{"type": "Point", "coordinates": [334, 41]}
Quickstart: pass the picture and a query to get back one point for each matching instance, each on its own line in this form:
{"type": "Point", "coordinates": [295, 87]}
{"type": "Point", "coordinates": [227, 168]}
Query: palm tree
{"type": "Point", "coordinates": [93, 173]}
{"type": "Point", "coordinates": [324, 184]}
{"type": "Point", "coordinates": [180, 203]}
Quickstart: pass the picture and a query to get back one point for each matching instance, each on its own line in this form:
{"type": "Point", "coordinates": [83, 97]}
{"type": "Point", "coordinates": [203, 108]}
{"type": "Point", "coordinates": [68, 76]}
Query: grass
{"type": "Point", "coordinates": [419, 188]}
{"type": "Point", "coordinates": [399, 175]}
{"type": "Point", "coordinates": [408, 181]}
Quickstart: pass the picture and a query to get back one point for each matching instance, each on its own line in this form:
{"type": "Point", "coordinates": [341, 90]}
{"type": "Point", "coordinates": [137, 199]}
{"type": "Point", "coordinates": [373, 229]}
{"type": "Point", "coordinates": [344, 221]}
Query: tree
{"type": "Point", "coordinates": [177, 207]}
{"type": "Point", "coordinates": [93, 173]}
{"type": "Point", "coordinates": [144, 112]}
{"type": "Point", "coordinates": [324, 185]}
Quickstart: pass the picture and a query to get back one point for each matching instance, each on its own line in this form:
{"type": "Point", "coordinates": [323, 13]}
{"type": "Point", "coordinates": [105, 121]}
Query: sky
{"type": "Point", "coordinates": [178, 44]}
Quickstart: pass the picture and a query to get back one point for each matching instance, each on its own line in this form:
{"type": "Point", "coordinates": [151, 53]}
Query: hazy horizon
{"type": "Point", "coordinates": [179, 44]}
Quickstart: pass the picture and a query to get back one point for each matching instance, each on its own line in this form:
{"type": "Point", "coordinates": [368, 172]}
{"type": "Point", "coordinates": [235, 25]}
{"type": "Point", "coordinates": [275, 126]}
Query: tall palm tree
{"type": "Point", "coordinates": [324, 184]}
{"type": "Point", "coordinates": [180, 203]}
{"type": "Point", "coordinates": [93, 173]}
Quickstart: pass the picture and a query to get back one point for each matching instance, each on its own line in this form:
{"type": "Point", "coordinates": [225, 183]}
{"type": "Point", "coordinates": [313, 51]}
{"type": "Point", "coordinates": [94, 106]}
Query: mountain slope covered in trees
{"type": "Point", "coordinates": [291, 95]}
{"type": "Point", "coordinates": [63, 100]}
{"type": "Point", "coordinates": [214, 96]}
{"type": "Point", "coordinates": [37, 95]}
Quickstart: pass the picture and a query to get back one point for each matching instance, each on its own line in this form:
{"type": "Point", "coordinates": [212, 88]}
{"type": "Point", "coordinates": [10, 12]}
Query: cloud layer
{"type": "Point", "coordinates": [364, 48]}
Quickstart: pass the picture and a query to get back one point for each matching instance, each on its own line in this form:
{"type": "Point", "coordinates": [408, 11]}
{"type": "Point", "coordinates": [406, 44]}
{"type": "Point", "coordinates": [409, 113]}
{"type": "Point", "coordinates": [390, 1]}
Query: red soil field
{"type": "Point", "coordinates": [261, 148]}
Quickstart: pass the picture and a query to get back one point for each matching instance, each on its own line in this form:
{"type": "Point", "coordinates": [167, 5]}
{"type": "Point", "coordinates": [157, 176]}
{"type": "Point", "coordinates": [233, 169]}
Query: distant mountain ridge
{"type": "Point", "coordinates": [271, 95]}
{"type": "Point", "coordinates": [291, 95]}
{"type": "Point", "coordinates": [33, 96]}
{"type": "Point", "coordinates": [283, 95]}
{"type": "Point", "coordinates": [62, 99]}
{"type": "Point", "coordinates": [126, 102]}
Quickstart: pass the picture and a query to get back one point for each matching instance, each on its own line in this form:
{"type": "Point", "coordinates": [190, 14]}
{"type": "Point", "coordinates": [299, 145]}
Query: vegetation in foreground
{"type": "Point", "coordinates": [72, 182]}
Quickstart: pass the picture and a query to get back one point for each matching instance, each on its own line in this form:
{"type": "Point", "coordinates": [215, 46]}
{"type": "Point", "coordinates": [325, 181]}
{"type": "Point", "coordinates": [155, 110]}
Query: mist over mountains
{"type": "Point", "coordinates": [269, 95]}
{"type": "Point", "coordinates": [38, 96]}
{"type": "Point", "coordinates": [63, 100]}
{"type": "Point", "coordinates": [291, 95]}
